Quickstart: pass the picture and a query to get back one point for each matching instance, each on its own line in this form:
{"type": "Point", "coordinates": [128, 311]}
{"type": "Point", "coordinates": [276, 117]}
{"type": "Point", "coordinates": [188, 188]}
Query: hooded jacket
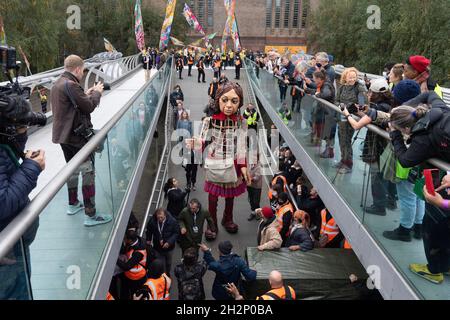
{"type": "Point", "coordinates": [423, 144]}
{"type": "Point", "coordinates": [228, 270]}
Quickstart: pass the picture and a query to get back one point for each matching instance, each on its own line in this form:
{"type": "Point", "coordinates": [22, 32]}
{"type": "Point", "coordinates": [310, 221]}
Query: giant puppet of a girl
{"type": "Point", "coordinates": [225, 156]}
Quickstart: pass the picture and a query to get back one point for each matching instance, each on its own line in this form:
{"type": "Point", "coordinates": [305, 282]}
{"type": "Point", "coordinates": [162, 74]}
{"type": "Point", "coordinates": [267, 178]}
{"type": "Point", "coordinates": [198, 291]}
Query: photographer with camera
{"type": "Point", "coordinates": [19, 172]}
{"type": "Point", "coordinates": [380, 99]}
{"type": "Point", "coordinates": [72, 129]}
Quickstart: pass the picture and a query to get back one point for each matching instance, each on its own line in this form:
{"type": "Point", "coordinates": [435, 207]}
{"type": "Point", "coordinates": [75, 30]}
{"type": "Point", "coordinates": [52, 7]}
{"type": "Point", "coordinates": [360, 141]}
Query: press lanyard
{"type": "Point", "coordinates": [161, 228]}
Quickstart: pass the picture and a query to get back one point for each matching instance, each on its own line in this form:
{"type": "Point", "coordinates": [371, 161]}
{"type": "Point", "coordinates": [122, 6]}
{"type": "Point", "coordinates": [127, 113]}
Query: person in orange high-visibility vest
{"type": "Point", "coordinates": [190, 64]}
{"type": "Point", "coordinates": [134, 267]}
{"type": "Point", "coordinates": [347, 245]}
{"type": "Point", "coordinates": [158, 282]}
{"type": "Point", "coordinates": [330, 235]}
{"type": "Point", "coordinates": [278, 179]}
{"type": "Point", "coordinates": [284, 213]}
{"type": "Point", "coordinates": [279, 290]}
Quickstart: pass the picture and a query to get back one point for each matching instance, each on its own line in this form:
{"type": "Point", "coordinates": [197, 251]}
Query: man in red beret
{"type": "Point", "coordinates": [417, 68]}
{"type": "Point", "coordinates": [268, 236]}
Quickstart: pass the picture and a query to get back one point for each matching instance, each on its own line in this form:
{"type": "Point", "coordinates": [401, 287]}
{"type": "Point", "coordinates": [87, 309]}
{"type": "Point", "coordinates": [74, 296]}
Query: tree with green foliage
{"type": "Point", "coordinates": [408, 27]}
{"type": "Point", "coordinates": [39, 27]}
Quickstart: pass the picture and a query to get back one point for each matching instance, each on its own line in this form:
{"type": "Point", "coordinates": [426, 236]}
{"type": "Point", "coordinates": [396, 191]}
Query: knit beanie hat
{"type": "Point", "coordinates": [225, 247]}
{"type": "Point", "coordinates": [267, 212]}
{"type": "Point", "coordinates": [419, 63]}
{"type": "Point", "coordinates": [406, 90]}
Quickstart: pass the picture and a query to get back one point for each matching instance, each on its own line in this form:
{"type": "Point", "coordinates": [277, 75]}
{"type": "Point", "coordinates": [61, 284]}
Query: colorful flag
{"type": "Point", "coordinates": [167, 25]}
{"type": "Point", "coordinates": [2, 33]}
{"type": "Point", "coordinates": [177, 42]}
{"type": "Point", "coordinates": [108, 46]}
{"type": "Point", "coordinates": [139, 26]}
{"type": "Point", "coordinates": [25, 59]}
{"type": "Point", "coordinates": [230, 25]}
{"type": "Point", "coordinates": [194, 23]}
{"type": "Point", "coordinates": [192, 20]}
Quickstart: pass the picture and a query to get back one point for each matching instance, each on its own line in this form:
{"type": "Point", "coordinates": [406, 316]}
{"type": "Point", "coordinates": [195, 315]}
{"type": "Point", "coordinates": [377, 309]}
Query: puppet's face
{"type": "Point", "coordinates": [229, 103]}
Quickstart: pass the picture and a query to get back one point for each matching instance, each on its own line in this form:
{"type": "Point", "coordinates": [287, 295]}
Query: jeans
{"type": "Point", "coordinates": [436, 240]}
{"type": "Point", "coordinates": [87, 170]}
{"type": "Point", "coordinates": [283, 92]}
{"type": "Point", "coordinates": [412, 209]}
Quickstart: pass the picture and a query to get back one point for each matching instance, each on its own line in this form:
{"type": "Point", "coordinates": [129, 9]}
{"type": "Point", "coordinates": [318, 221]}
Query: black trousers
{"type": "Point", "coordinates": [254, 197]}
{"type": "Point", "coordinates": [436, 239]}
{"type": "Point", "coordinates": [191, 174]}
{"type": "Point", "coordinates": [180, 71]}
{"type": "Point", "coordinates": [201, 74]}
{"type": "Point", "coordinates": [190, 70]}
{"type": "Point", "coordinates": [238, 73]}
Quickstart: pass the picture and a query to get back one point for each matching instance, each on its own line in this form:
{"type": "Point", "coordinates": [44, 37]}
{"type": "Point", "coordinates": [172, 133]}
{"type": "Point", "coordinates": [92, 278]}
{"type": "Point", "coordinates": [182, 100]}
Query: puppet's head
{"type": "Point", "coordinates": [229, 99]}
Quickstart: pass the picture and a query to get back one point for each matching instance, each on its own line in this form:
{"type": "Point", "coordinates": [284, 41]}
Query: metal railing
{"type": "Point", "coordinates": [156, 197]}
{"type": "Point", "coordinates": [340, 68]}
{"type": "Point", "coordinates": [263, 143]}
{"type": "Point", "coordinates": [17, 227]}
{"type": "Point", "coordinates": [435, 162]}
{"type": "Point", "coordinates": [110, 71]}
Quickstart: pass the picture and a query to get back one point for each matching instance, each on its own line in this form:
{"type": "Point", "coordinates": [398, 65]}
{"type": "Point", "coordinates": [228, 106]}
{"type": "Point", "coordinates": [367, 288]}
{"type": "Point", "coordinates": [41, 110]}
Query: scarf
{"type": "Point", "coordinates": [422, 80]}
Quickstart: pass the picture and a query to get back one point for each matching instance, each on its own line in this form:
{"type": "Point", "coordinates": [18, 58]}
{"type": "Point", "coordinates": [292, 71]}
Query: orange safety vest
{"type": "Point", "coordinates": [138, 271]}
{"type": "Point", "coordinates": [347, 244]}
{"type": "Point", "coordinates": [238, 62]}
{"type": "Point", "coordinates": [329, 228]}
{"type": "Point", "coordinates": [191, 61]}
{"type": "Point", "coordinates": [217, 64]}
{"type": "Point", "coordinates": [280, 214]}
{"type": "Point", "coordinates": [280, 293]}
{"type": "Point", "coordinates": [274, 181]}
{"type": "Point", "coordinates": [109, 297]}
{"type": "Point", "coordinates": [159, 288]}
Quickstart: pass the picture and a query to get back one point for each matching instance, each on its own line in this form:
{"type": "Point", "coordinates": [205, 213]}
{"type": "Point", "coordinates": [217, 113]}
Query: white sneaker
{"type": "Point", "coordinates": [73, 210]}
{"type": "Point", "coordinates": [97, 220]}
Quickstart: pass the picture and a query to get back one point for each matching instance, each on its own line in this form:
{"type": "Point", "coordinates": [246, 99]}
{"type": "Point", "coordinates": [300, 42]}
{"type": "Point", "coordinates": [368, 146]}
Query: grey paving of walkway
{"type": "Point", "coordinates": [196, 99]}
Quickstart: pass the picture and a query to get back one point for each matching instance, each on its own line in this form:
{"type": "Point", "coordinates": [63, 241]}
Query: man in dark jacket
{"type": "Point", "coordinates": [313, 205]}
{"type": "Point", "coordinates": [71, 123]}
{"type": "Point", "coordinates": [228, 269]}
{"type": "Point", "coordinates": [16, 183]}
{"type": "Point", "coordinates": [162, 232]}
{"type": "Point", "coordinates": [192, 221]}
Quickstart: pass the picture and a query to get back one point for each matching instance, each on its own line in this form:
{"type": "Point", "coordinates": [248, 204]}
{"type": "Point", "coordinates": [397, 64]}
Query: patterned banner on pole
{"type": "Point", "coordinates": [194, 23]}
{"type": "Point", "coordinates": [167, 25]}
{"type": "Point", "coordinates": [177, 42]}
{"type": "Point", "coordinates": [108, 46]}
{"type": "Point", "coordinates": [25, 59]}
{"type": "Point", "coordinates": [230, 25]}
{"type": "Point", "coordinates": [139, 26]}
{"type": "Point", "coordinates": [2, 33]}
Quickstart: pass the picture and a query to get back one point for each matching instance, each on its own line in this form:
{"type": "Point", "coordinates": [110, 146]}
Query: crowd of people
{"type": "Point", "coordinates": [408, 104]}
{"type": "Point", "coordinates": [296, 218]}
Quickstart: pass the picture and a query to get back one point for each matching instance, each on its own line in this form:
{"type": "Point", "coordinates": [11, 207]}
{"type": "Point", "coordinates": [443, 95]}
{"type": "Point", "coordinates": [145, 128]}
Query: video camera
{"type": "Point", "coordinates": [15, 108]}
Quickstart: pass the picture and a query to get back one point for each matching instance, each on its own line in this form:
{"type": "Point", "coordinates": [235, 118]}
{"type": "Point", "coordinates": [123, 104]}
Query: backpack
{"type": "Point", "coordinates": [190, 287]}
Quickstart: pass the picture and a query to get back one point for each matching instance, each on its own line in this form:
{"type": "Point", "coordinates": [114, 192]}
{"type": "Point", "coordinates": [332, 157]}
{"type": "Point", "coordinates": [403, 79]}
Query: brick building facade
{"type": "Point", "coordinates": [261, 22]}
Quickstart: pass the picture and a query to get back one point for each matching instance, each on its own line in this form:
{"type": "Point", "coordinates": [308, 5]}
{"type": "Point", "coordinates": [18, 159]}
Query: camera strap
{"type": "Point", "coordinates": [69, 94]}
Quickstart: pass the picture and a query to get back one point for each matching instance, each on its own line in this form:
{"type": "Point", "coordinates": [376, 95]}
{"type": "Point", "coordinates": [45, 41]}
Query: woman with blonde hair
{"type": "Point", "coordinates": [349, 92]}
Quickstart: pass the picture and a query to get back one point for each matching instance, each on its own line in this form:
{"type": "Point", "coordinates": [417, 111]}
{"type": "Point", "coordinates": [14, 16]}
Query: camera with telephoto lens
{"type": "Point", "coordinates": [15, 107]}
{"type": "Point", "coordinates": [353, 108]}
